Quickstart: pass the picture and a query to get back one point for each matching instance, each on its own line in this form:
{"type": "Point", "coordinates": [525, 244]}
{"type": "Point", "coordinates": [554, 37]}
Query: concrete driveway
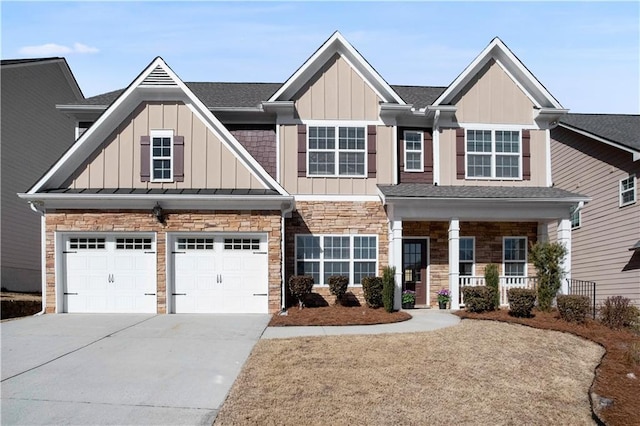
{"type": "Point", "coordinates": [122, 369]}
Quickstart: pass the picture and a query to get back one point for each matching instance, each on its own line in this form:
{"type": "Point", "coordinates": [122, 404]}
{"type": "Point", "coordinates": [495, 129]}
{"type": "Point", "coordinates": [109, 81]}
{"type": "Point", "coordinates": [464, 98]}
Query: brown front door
{"type": "Point", "coordinates": [414, 268]}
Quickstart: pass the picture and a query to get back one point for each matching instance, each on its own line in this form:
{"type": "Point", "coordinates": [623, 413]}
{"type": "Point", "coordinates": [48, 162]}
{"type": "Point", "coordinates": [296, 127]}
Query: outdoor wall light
{"type": "Point", "coordinates": [158, 213]}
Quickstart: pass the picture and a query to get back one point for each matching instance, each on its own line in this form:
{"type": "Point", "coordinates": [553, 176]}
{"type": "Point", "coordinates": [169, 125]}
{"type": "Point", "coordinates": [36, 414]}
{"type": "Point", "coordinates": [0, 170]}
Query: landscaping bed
{"type": "Point", "coordinates": [14, 305]}
{"type": "Point", "coordinates": [611, 380]}
{"type": "Point", "coordinates": [337, 315]}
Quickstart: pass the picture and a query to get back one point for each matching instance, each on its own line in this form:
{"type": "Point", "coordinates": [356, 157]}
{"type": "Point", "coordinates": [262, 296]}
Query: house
{"type": "Point", "coordinates": [599, 155]}
{"type": "Point", "coordinates": [34, 135]}
{"type": "Point", "coordinates": [207, 197]}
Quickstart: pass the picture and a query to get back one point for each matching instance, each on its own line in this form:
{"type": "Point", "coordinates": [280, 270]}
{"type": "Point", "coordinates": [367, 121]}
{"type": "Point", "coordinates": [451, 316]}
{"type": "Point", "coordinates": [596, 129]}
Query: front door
{"type": "Point", "coordinates": [414, 268]}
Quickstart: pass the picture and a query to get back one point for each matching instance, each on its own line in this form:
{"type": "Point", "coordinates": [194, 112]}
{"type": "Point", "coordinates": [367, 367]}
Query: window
{"type": "Point", "coordinates": [194, 244]}
{"type": "Point", "coordinates": [515, 256]}
{"type": "Point", "coordinates": [494, 154]}
{"type": "Point", "coordinates": [467, 255]}
{"type": "Point", "coordinates": [413, 153]}
{"type": "Point", "coordinates": [86, 243]}
{"type": "Point", "coordinates": [628, 191]}
{"type": "Point", "coordinates": [242, 244]}
{"type": "Point", "coordinates": [161, 156]}
{"type": "Point", "coordinates": [321, 256]}
{"type": "Point", "coordinates": [133, 243]}
{"type": "Point", "coordinates": [576, 217]}
{"type": "Point", "coordinates": [342, 157]}
{"type": "Point", "coordinates": [82, 127]}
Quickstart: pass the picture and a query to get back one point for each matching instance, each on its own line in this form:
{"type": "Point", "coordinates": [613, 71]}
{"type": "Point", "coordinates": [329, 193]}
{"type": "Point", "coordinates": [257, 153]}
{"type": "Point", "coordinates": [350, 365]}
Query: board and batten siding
{"type": "Point", "coordinates": [448, 162]}
{"type": "Point", "coordinates": [493, 97]}
{"type": "Point", "coordinates": [337, 92]}
{"type": "Point", "coordinates": [334, 185]}
{"type": "Point", "coordinates": [600, 246]}
{"type": "Point", "coordinates": [208, 163]}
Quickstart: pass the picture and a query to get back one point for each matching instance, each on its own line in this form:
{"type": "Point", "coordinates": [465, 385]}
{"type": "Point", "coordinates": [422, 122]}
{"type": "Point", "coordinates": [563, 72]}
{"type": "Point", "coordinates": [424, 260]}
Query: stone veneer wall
{"type": "Point", "coordinates": [322, 217]}
{"type": "Point", "coordinates": [176, 221]}
{"type": "Point", "coordinates": [488, 247]}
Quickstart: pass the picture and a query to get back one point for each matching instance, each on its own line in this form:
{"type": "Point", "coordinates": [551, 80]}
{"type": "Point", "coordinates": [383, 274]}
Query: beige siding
{"type": "Point", "coordinates": [600, 247]}
{"type": "Point", "coordinates": [208, 163]}
{"type": "Point", "coordinates": [448, 162]}
{"type": "Point", "coordinates": [493, 97]}
{"type": "Point", "coordinates": [334, 186]}
{"type": "Point", "coordinates": [337, 92]}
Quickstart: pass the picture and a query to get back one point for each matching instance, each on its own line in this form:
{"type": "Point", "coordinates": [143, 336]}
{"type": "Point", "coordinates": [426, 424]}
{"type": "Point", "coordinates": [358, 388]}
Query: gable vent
{"type": "Point", "coordinates": [158, 77]}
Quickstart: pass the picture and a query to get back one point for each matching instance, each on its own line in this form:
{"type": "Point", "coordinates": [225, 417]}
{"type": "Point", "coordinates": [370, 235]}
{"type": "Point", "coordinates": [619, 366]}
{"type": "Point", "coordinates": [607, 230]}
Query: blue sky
{"type": "Point", "coordinates": [587, 54]}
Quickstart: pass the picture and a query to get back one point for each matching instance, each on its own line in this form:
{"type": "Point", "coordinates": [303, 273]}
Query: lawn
{"type": "Point", "coordinates": [479, 372]}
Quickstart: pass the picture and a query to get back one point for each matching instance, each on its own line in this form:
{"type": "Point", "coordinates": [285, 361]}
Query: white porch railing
{"type": "Point", "coordinates": [504, 285]}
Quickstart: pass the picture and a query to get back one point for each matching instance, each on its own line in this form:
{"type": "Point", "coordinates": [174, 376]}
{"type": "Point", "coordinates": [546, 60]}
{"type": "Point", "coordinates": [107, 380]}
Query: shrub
{"type": "Point", "coordinates": [617, 312]}
{"type": "Point", "coordinates": [478, 298]}
{"type": "Point", "coordinates": [547, 258]}
{"type": "Point", "coordinates": [521, 301]}
{"type": "Point", "coordinates": [372, 289]}
{"type": "Point", "coordinates": [492, 279]}
{"type": "Point", "coordinates": [573, 308]}
{"type": "Point", "coordinates": [300, 286]}
{"type": "Point", "coordinates": [338, 287]}
{"type": "Point", "coordinates": [388, 287]}
{"type": "Point", "coordinates": [408, 297]}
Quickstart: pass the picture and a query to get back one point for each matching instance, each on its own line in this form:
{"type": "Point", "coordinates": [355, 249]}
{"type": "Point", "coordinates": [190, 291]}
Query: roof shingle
{"type": "Point", "coordinates": [422, 190]}
{"type": "Point", "coordinates": [623, 129]}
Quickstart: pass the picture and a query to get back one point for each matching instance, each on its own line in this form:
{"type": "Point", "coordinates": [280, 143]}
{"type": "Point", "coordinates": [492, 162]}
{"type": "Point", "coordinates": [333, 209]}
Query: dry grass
{"type": "Point", "coordinates": [475, 373]}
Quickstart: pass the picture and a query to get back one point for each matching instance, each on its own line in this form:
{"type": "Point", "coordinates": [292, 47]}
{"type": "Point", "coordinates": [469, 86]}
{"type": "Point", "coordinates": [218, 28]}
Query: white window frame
{"type": "Point", "coordinates": [413, 151]}
{"type": "Point", "coordinates": [473, 260]}
{"type": "Point", "coordinates": [351, 260]}
{"type": "Point", "coordinates": [526, 255]}
{"type": "Point", "coordinates": [633, 189]}
{"type": "Point", "coordinates": [493, 154]}
{"type": "Point", "coordinates": [161, 134]}
{"type": "Point", "coordinates": [576, 218]}
{"type": "Point", "coordinates": [81, 127]}
{"type": "Point", "coordinates": [337, 151]}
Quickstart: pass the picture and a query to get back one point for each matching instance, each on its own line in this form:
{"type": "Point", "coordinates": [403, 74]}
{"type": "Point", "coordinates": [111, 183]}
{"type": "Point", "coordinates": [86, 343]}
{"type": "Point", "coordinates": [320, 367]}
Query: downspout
{"type": "Point", "coordinates": [436, 148]}
{"type": "Point", "coordinates": [285, 212]}
{"type": "Point", "coordinates": [38, 207]}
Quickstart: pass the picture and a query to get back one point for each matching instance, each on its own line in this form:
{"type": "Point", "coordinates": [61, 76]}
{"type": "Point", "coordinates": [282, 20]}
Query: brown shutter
{"type": "Point", "coordinates": [428, 151]}
{"type": "Point", "coordinates": [302, 150]}
{"type": "Point", "coordinates": [460, 172]}
{"type": "Point", "coordinates": [178, 158]}
{"type": "Point", "coordinates": [371, 150]}
{"type": "Point", "coordinates": [526, 155]}
{"type": "Point", "coordinates": [145, 158]}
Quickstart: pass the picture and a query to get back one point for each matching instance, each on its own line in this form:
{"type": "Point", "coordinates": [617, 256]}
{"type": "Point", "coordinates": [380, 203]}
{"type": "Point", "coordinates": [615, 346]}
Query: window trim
{"type": "Point", "coordinates": [575, 219]}
{"type": "Point", "coordinates": [473, 260]}
{"type": "Point", "coordinates": [633, 190]}
{"type": "Point", "coordinates": [336, 150]}
{"type": "Point", "coordinates": [404, 138]}
{"type": "Point", "coordinates": [493, 153]}
{"type": "Point", "coordinates": [351, 260]}
{"type": "Point", "coordinates": [163, 133]}
{"type": "Point", "coordinates": [526, 255]}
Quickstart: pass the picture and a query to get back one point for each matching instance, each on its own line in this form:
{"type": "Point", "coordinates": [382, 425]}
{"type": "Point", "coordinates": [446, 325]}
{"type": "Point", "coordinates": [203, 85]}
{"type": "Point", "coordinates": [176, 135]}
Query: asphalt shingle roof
{"type": "Point", "coordinates": [623, 129]}
{"type": "Point", "coordinates": [160, 191]}
{"type": "Point", "coordinates": [422, 190]}
{"type": "Point", "coordinates": [27, 60]}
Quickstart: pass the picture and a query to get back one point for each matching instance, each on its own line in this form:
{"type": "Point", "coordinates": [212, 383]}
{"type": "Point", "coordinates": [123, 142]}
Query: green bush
{"type": "Point", "coordinates": [521, 301]}
{"type": "Point", "coordinates": [573, 308]}
{"type": "Point", "coordinates": [300, 286]}
{"type": "Point", "coordinates": [547, 258]}
{"type": "Point", "coordinates": [338, 287]}
{"type": "Point", "coordinates": [492, 279]}
{"type": "Point", "coordinates": [478, 298]}
{"type": "Point", "coordinates": [372, 289]}
{"type": "Point", "coordinates": [388, 287]}
{"type": "Point", "coordinates": [618, 312]}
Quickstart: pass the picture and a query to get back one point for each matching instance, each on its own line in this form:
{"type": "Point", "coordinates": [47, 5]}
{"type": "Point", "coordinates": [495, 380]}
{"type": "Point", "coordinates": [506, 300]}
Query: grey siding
{"type": "Point", "coordinates": [34, 136]}
{"type": "Point", "coordinates": [600, 246]}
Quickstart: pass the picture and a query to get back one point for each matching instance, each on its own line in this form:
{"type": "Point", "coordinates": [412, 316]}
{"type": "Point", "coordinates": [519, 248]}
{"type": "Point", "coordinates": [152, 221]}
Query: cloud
{"type": "Point", "coordinates": [49, 49]}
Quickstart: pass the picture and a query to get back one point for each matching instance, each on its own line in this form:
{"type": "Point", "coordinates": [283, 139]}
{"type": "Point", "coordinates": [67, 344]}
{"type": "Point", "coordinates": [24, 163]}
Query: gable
{"type": "Point", "coordinates": [492, 96]}
{"type": "Point", "coordinates": [336, 92]}
{"type": "Point", "coordinates": [208, 162]}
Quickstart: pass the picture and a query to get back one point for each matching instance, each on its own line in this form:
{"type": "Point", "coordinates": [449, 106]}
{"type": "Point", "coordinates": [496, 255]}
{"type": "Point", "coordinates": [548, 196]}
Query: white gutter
{"type": "Point", "coordinates": [43, 255]}
{"type": "Point", "coordinates": [436, 148]}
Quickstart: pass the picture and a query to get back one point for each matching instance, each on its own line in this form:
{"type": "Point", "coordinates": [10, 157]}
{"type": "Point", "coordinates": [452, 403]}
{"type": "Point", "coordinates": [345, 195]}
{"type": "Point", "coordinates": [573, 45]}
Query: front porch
{"type": "Point", "coordinates": [505, 283]}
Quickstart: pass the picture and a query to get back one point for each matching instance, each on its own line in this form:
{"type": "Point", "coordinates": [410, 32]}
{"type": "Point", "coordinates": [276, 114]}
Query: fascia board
{"type": "Point", "coordinates": [636, 153]}
{"type": "Point", "coordinates": [73, 83]}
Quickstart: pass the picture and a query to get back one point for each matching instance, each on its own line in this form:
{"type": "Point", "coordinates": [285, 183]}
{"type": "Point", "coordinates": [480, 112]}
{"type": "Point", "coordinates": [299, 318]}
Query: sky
{"type": "Point", "coordinates": [587, 54]}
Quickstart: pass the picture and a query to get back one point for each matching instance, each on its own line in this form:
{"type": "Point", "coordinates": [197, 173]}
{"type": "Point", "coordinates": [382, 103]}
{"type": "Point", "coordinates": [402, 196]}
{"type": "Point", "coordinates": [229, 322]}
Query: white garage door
{"type": "Point", "coordinates": [220, 274]}
{"type": "Point", "coordinates": [110, 273]}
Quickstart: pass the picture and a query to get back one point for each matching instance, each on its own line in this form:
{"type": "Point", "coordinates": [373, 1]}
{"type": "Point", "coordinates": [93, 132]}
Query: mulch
{"type": "Point", "coordinates": [336, 315]}
{"type": "Point", "coordinates": [611, 379]}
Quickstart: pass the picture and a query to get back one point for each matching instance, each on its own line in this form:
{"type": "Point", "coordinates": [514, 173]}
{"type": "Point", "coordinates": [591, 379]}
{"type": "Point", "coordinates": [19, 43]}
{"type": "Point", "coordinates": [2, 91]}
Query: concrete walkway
{"type": "Point", "coordinates": [422, 320]}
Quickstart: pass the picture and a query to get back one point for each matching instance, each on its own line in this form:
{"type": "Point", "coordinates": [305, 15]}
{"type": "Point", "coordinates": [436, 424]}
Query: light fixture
{"type": "Point", "coordinates": [158, 213]}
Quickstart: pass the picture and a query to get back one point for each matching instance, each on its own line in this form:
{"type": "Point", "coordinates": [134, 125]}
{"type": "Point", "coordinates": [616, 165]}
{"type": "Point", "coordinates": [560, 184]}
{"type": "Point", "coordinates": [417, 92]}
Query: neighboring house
{"type": "Point", "coordinates": [34, 135]}
{"type": "Point", "coordinates": [599, 155]}
{"type": "Point", "coordinates": [207, 197]}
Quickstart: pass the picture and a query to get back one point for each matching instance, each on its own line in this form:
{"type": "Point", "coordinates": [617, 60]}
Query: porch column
{"type": "Point", "coordinates": [543, 232]}
{"type": "Point", "coordinates": [395, 259]}
{"type": "Point", "coordinates": [454, 265]}
{"type": "Point", "coordinates": [564, 237]}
